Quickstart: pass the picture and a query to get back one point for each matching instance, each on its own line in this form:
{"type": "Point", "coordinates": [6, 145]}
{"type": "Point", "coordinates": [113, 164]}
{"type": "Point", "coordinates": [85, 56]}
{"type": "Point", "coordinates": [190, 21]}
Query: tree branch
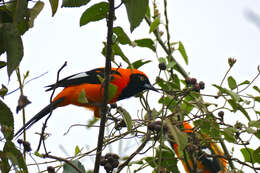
{"type": "Point", "coordinates": [106, 83]}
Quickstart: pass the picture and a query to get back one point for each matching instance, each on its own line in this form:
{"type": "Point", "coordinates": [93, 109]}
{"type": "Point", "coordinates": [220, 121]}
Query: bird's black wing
{"type": "Point", "coordinates": [90, 77]}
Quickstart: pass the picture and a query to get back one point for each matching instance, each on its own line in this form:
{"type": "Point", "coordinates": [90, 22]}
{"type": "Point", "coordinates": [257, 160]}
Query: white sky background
{"type": "Point", "coordinates": [211, 31]}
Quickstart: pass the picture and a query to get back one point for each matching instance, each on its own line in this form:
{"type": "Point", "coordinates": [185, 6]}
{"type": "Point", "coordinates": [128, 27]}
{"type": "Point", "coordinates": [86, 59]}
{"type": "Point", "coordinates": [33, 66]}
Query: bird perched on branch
{"type": "Point", "coordinates": [200, 156]}
{"type": "Point", "coordinates": [123, 84]}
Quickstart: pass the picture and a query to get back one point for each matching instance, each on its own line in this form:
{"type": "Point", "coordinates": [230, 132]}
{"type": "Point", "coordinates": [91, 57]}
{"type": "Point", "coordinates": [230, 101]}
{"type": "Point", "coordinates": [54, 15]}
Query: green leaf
{"type": "Point", "coordinates": [180, 137]}
{"type": "Point", "coordinates": [15, 156]}
{"type": "Point", "coordinates": [94, 13]}
{"type": "Point", "coordinates": [171, 64]}
{"type": "Point", "coordinates": [136, 10]}
{"type": "Point", "coordinates": [82, 97]}
{"type": "Point", "coordinates": [239, 107]}
{"type": "Point", "coordinates": [20, 11]}
{"type": "Point", "coordinates": [162, 60]}
{"type": "Point", "coordinates": [111, 91]}
{"type": "Point", "coordinates": [248, 154]}
{"type": "Point", "coordinates": [257, 89]}
{"type": "Point", "coordinates": [74, 3]}
{"type": "Point", "coordinates": [137, 64]}
{"type": "Point", "coordinates": [154, 25]}
{"type": "Point", "coordinates": [256, 155]}
{"type": "Point", "coordinates": [257, 134]}
{"type": "Point", "coordinates": [5, 166]}
{"type": "Point", "coordinates": [254, 123]}
{"type": "Point", "coordinates": [244, 83]}
{"type": "Point", "coordinates": [233, 104]}
{"type": "Point", "coordinates": [117, 51]}
{"type": "Point", "coordinates": [233, 95]}
{"type": "Point", "coordinates": [169, 161]}
{"type": "Point", "coordinates": [34, 12]}
{"type": "Point", "coordinates": [77, 150]}
{"type": "Point", "coordinates": [3, 91]}
{"type": "Point", "coordinates": [6, 121]}
{"type": "Point", "coordinates": [13, 46]}
{"type": "Point", "coordinates": [54, 6]}
{"type": "Point", "coordinates": [69, 169]}
{"type": "Point", "coordinates": [229, 134]}
{"type": "Point", "coordinates": [121, 35]}
{"type": "Point", "coordinates": [146, 42]}
{"type": "Point", "coordinates": [91, 122]}
{"type": "Point", "coordinates": [127, 118]}
{"type": "Point", "coordinates": [151, 161]}
{"type": "Point", "coordinates": [257, 99]}
{"type": "Point", "coordinates": [183, 52]}
{"type": "Point", "coordinates": [232, 83]}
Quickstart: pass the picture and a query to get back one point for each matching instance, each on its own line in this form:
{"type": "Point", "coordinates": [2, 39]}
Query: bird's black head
{"type": "Point", "coordinates": [137, 83]}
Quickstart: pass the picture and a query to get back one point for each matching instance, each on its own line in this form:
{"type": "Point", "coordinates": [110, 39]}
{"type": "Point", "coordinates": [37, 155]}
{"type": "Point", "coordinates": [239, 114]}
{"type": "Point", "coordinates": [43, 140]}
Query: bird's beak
{"type": "Point", "coordinates": [150, 87]}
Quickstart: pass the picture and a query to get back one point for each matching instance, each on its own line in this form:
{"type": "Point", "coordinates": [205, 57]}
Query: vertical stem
{"type": "Point", "coordinates": [18, 74]}
{"type": "Point", "coordinates": [106, 83]}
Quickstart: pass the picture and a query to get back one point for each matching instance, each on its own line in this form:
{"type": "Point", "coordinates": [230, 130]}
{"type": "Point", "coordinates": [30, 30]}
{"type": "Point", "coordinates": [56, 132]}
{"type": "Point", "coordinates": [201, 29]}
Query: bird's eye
{"type": "Point", "coordinates": [141, 78]}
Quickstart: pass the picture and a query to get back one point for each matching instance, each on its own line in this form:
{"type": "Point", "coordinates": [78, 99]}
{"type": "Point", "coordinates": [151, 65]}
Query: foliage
{"type": "Point", "coordinates": [180, 99]}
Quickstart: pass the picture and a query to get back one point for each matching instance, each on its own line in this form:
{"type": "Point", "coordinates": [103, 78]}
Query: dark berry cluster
{"type": "Point", "coordinates": [109, 161]}
{"type": "Point", "coordinates": [26, 145]}
{"type": "Point", "coordinates": [194, 84]}
{"type": "Point", "coordinates": [156, 126]}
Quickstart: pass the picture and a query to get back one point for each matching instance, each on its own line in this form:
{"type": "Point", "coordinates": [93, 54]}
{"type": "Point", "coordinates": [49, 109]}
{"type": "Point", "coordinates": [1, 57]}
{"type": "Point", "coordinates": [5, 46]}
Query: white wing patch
{"type": "Point", "coordinates": [79, 75]}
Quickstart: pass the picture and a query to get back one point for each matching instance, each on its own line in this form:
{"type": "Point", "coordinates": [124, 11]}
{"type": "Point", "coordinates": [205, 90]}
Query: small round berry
{"type": "Point", "coordinates": [50, 169]}
{"type": "Point", "coordinates": [188, 80]}
{"type": "Point", "coordinates": [202, 85]}
{"type": "Point", "coordinates": [151, 126]}
{"type": "Point", "coordinates": [19, 141]}
{"type": "Point", "coordinates": [103, 161]}
{"type": "Point", "coordinates": [108, 167]}
{"type": "Point", "coordinates": [162, 66]}
{"type": "Point", "coordinates": [108, 155]}
{"type": "Point", "coordinates": [115, 156]}
{"type": "Point", "coordinates": [220, 113]}
{"type": "Point", "coordinates": [27, 146]}
{"type": "Point", "coordinates": [157, 127]}
{"type": "Point", "coordinates": [193, 81]}
{"type": "Point", "coordinates": [196, 87]}
{"type": "Point", "coordinates": [115, 163]}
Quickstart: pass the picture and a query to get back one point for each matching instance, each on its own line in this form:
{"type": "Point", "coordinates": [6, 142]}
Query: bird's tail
{"type": "Point", "coordinates": [39, 116]}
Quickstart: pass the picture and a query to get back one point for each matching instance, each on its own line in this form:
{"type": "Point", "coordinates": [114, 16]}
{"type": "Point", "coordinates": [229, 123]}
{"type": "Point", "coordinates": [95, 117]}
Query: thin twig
{"type": "Point", "coordinates": [45, 123]}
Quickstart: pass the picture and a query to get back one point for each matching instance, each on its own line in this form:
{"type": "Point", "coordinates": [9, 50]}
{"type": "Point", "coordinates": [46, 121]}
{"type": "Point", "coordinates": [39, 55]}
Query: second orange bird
{"type": "Point", "coordinates": [127, 82]}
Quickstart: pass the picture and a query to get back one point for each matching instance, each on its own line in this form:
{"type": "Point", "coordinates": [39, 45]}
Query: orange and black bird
{"type": "Point", "coordinates": [204, 157]}
{"type": "Point", "coordinates": [128, 82]}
